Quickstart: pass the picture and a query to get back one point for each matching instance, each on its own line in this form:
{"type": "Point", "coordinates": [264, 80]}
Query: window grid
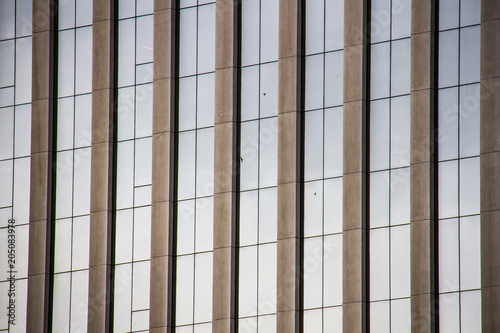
{"type": "Point", "coordinates": [73, 140]}
{"type": "Point", "coordinates": [258, 163]}
{"type": "Point", "coordinates": [134, 166]}
{"type": "Point", "coordinates": [194, 252]}
{"type": "Point", "coordinates": [323, 181]}
{"type": "Point", "coordinates": [389, 226]}
{"type": "Point", "coordinates": [458, 166]}
{"type": "Point", "coordinates": [15, 135]}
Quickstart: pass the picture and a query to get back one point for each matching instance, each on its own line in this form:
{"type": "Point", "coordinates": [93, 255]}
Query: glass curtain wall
{"type": "Point", "coordinates": [73, 152]}
{"type": "Point", "coordinates": [134, 166]}
{"type": "Point", "coordinates": [15, 150]}
{"type": "Point", "coordinates": [258, 166]}
{"type": "Point", "coordinates": [459, 168]}
{"type": "Point", "coordinates": [323, 190]}
{"type": "Point", "coordinates": [389, 126]}
{"type": "Point", "coordinates": [194, 252]}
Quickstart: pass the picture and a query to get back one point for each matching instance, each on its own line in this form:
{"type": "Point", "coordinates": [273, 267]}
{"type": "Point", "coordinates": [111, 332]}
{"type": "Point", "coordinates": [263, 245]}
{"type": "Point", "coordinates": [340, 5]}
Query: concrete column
{"type": "Point", "coordinates": [162, 291]}
{"type": "Point", "coordinates": [102, 167]}
{"type": "Point", "coordinates": [355, 166]}
{"type": "Point", "coordinates": [226, 166]}
{"type": "Point", "coordinates": [290, 165]}
{"type": "Point", "coordinates": [40, 263]}
{"type": "Point", "coordinates": [423, 169]}
{"type": "Point", "coordinates": [490, 164]}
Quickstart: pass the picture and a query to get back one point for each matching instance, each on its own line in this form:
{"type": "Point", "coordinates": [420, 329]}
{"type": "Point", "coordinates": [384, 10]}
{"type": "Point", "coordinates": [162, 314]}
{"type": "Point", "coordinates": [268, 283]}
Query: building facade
{"type": "Point", "coordinates": [200, 166]}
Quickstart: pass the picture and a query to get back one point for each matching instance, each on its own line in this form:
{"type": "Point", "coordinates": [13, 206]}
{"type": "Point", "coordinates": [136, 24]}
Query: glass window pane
{"type": "Point", "coordinates": [126, 8]}
{"type": "Point", "coordinates": [66, 63]}
{"type": "Point", "coordinates": [379, 135]}
{"type": "Point", "coordinates": [203, 287]}
{"type": "Point", "coordinates": [125, 175]}
{"type": "Point", "coordinates": [449, 313]}
{"type": "Point", "coordinates": [269, 24]}
{"type": "Point", "coordinates": [313, 320]}
{"type": "Point", "coordinates": [140, 320]}
{"type": "Point", "coordinates": [187, 41]}
{"type": "Point", "coordinates": [269, 90]}
{"type": "Point", "coordinates": [144, 110]}
{"type": "Point", "coordinates": [333, 146]}
{"type": "Point", "coordinates": [140, 289]}
{"type": "Point", "coordinates": [380, 29]}
{"type": "Point", "coordinates": [313, 208]}
{"type": "Point", "coordinates": [126, 54]}
{"type": "Point", "coordinates": [315, 26]}
{"type": "Point", "coordinates": [205, 162]}
{"type": "Point", "coordinates": [400, 196]}
{"type": "Point", "coordinates": [204, 224]}
{"type": "Point", "coordinates": [144, 47]}
{"type": "Point", "coordinates": [185, 227]}
{"type": "Point", "coordinates": [266, 324]}
{"type": "Point", "coordinates": [144, 73]}
{"type": "Point", "coordinates": [205, 100]}
{"type": "Point", "coordinates": [268, 147]}
{"type": "Point", "coordinates": [401, 315]}
{"type": "Point", "coordinates": [184, 287]}
{"type": "Point", "coordinates": [247, 295]}
{"type": "Point", "coordinates": [62, 246]}
{"type": "Point", "coordinates": [21, 200]}
{"type": "Point", "coordinates": [470, 253]}
{"type": "Point", "coordinates": [314, 145]}
{"type": "Point", "coordinates": [470, 12]}
{"type": "Point", "coordinates": [333, 206]}
{"type": "Point", "coordinates": [448, 124]}
{"type": "Point", "coordinates": [332, 320]}
{"type": "Point", "coordinates": [250, 92]}
{"type": "Point", "coordinates": [401, 19]}
{"type": "Point", "coordinates": [83, 83]}
{"type": "Point", "coordinates": [448, 255]}
{"type": "Point", "coordinates": [313, 272]}
{"type": "Point", "coordinates": [334, 25]}
{"type": "Point", "coordinates": [23, 70]}
{"type": "Point", "coordinates": [187, 103]}
{"type": "Point", "coordinates": [66, 14]}
{"type": "Point", "coordinates": [84, 12]}
{"type": "Point", "coordinates": [448, 14]}
{"type": "Point", "coordinates": [64, 184]}
{"type": "Point", "coordinates": [61, 307]}
{"type": "Point", "coordinates": [79, 300]}
{"type": "Point", "coordinates": [314, 82]}
{"type": "Point", "coordinates": [145, 7]}
{"type": "Point", "coordinates": [124, 232]}
{"type": "Point", "coordinates": [143, 161]}
{"type": "Point", "coordinates": [380, 317]}
{"type": "Point", "coordinates": [470, 311]}
{"type": "Point", "coordinates": [206, 38]}
{"type": "Point", "coordinates": [142, 233]}
{"type": "Point", "coordinates": [250, 32]}
{"type": "Point", "coordinates": [6, 178]}
{"type": "Point", "coordinates": [448, 58]}
{"type": "Point", "coordinates": [6, 132]}
{"type": "Point", "coordinates": [448, 189]}
{"type": "Point", "coordinates": [267, 278]}
{"type": "Point", "coordinates": [379, 199]}
{"type": "Point", "coordinates": [380, 70]}
{"type": "Point", "coordinates": [81, 243]}
{"type": "Point", "coordinates": [268, 215]}
{"type": "Point", "coordinates": [7, 19]}
{"type": "Point", "coordinates": [83, 120]}
{"type": "Point", "coordinates": [332, 276]}
{"type": "Point", "coordinates": [81, 192]}
{"type": "Point", "coordinates": [249, 214]}
{"type": "Point", "coordinates": [470, 41]}
{"type": "Point", "coordinates": [400, 67]}
{"type": "Point", "coordinates": [334, 78]}
{"type": "Point", "coordinates": [379, 265]}
{"type": "Point", "coordinates": [469, 120]}
{"type": "Point", "coordinates": [400, 131]}
{"type": "Point", "coordinates": [470, 186]}
{"type": "Point", "coordinates": [400, 262]}
{"type": "Point", "coordinates": [123, 298]}
{"type": "Point", "coordinates": [249, 159]}
{"type": "Point", "coordinates": [65, 122]}
{"type": "Point", "coordinates": [126, 113]}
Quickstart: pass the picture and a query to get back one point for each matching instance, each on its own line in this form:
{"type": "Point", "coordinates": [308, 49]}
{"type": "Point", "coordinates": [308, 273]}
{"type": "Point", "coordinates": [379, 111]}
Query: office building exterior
{"type": "Point", "coordinates": [250, 166]}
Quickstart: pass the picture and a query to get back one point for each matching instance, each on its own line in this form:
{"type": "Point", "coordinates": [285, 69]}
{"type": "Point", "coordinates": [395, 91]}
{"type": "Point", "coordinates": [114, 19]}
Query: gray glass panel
{"type": "Point", "coordinates": [269, 24]}
{"type": "Point", "coordinates": [379, 199]}
{"type": "Point", "coordinates": [334, 25]}
{"type": "Point", "coordinates": [315, 26]}
{"type": "Point", "coordinates": [448, 14]}
{"type": "Point", "coordinates": [140, 288]}
{"type": "Point", "coordinates": [142, 195]}
{"type": "Point", "coordinates": [448, 255]}
{"type": "Point", "coordinates": [247, 296]}
{"type": "Point", "coordinates": [470, 186]}
{"type": "Point", "coordinates": [7, 64]}
{"type": "Point", "coordinates": [206, 39]}
{"type": "Point", "coordinates": [203, 287]}
{"type": "Point", "coordinates": [205, 100]}
{"type": "Point", "coordinates": [6, 97]}
{"type": "Point", "coordinates": [314, 82]}
{"type": "Point", "coordinates": [268, 152]}
{"type": "Point", "coordinates": [449, 313]}
{"type": "Point", "coordinates": [380, 317]}
{"type": "Point", "coordinates": [313, 320]}
{"type": "Point", "coordinates": [400, 131]}
{"type": "Point", "coordinates": [124, 232]}
{"type": "Point", "coordinates": [126, 113]}
{"type": "Point", "coordinates": [81, 191]}
{"type": "Point", "coordinates": [250, 32]}
{"type": "Point", "coordinates": [380, 70]}
{"type": "Point", "coordinates": [205, 162]}
{"type": "Point", "coordinates": [448, 124]}
{"type": "Point", "coordinates": [470, 51]}
{"type": "Point", "coordinates": [334, 78]}
{"type": "Point", "coordinates": [79, 300]}
{"type": "Point", "coordinates": [250, 93]}
{"type": "Point", "coordinates": [470, 311]}
{"type": "Point", "coordinates": [469, 120]}
{"type": "Point", "coordinates": [400, 196]}
{"type": "Point", "coordinates": [204, 224]}
{"type": "Point", "coordinates": [126, 54]}
{"type": "Point", "coordinates": [333, 206]}
{"type": "Point", "coordinates": [24, 18]}
{"type": "Point", "coordinates": [84, 12]}
{"type": "Point", "coordinates": [400, 261]}
{"type": "Point", "coordinates": [123, 298]}
{"type": "Point", "coordinates": [269, 90]}
{"type": "Point", "coordinates": [83, 82]}
{"type": "Point", "coordinates": [448, 189]}
{"type": "Point", "coordinates": [380, 21]}
{"type": "Point", "coordinates": [187, 103]}
{"type": "Point", "coordinates": [249, 215]}
{"type": "Point", "coordinates": [64, 184]}
{"type": "Point", "coordinates": [332, 320]}
{"type": "Point", "coordinates": [65, 121]}
{"type": "Point", "coordinates": [6, 132]}
{"type": "Point", "coordinates": [379, 265]}
{"type": "Point", "coordinates": [249, 159]}
{"type": "Point", "coordinates": [186, 165]}
{"type": "Point", "coordinates": [140, 321]}
{"type": "Point", "coordinates": [143, 161]}
{"type": "Point", "coordinates": [448, 59]}
{"type": "Point", "coordinates": [187, 41]}
{"type": "Point", "coordinates": [401, 315]}
{"type": "Point", "coordinates": [22, 184]}
{"type": "Point", "coordinates": [314, 145]}
{"type": "Point", "coordinates": [313, 272]}
{"type": "Point", "coordinates": [401, 19]}
{"type": "Point", "coordinates": [6, 178]}
{"type": "Point", "coordinates": [470, 253]}
{"type": "Point", "coordinates": [144, 73]}
{"type": "Point", "coordinates": [83, 120]}
{"type": "Point", "coordinates": [66, 14]}
{"type": "Point", "coordinates": [144, 47]}
{"type": "Point", "coordinates": [142, 233]}
{"type": "Point", "coordinates": [126, 8]}
{"type": "Point", "coordinates": [23, 70]}
{"type": "Point", "coordinates": [7, 19]}
{"type": "Point", "coordinates": [400, 67]}
{"type": "Point", "coordinates": [333, 147]}
{"type": "Point", "coordinates": [185, 227]}
{"type": "Point", "coordinates": [470, 12]}
{"type": "Point", "coordinates": [332, 276]}
{"type": "Point", "coordinates": [187, 3]}
{"type": "Point", "coordinates": [66, 63]}
{"type": "Point", "coordinates": [145, 7]}
{"type": "Point", "coordinates": [144, 110]}
{"type": "Point", "coordinates": [62, 246]}
{"type": "Point", "coordinates": [313, 208]}
{"type": "Point", "coordinates": [268, 215]}
{"type": "Point", "coordinates": [203, 328]}
{"type": "Point", "coordinates": [184, 288]}
{"type": "Point", "coordinates": [125, 175]}
{"type": "Point", "coordinates": [267, 278]}
{"type": "Point", "coordinates": [61, 299]}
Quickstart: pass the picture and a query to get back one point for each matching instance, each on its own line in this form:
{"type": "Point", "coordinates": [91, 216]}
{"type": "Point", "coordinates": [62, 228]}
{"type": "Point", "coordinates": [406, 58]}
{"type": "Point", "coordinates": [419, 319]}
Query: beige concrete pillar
{"type": "Point", "coordinates": [40, 263]}
{"type": "Point", "coordinates": [226, 166]}
{"type": "Point", "coordinates": [102, 167]}
{"type": "Point", "coordinates": [162, 290]}
{"type": "Point", "coordinates": [490, 164]}
{"type": "Point", "coordinates": [355, 166]}
{"type": "Point", "coordinates": [423, 168]}
{"type": "Point", "coordinates": [290, 166]}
